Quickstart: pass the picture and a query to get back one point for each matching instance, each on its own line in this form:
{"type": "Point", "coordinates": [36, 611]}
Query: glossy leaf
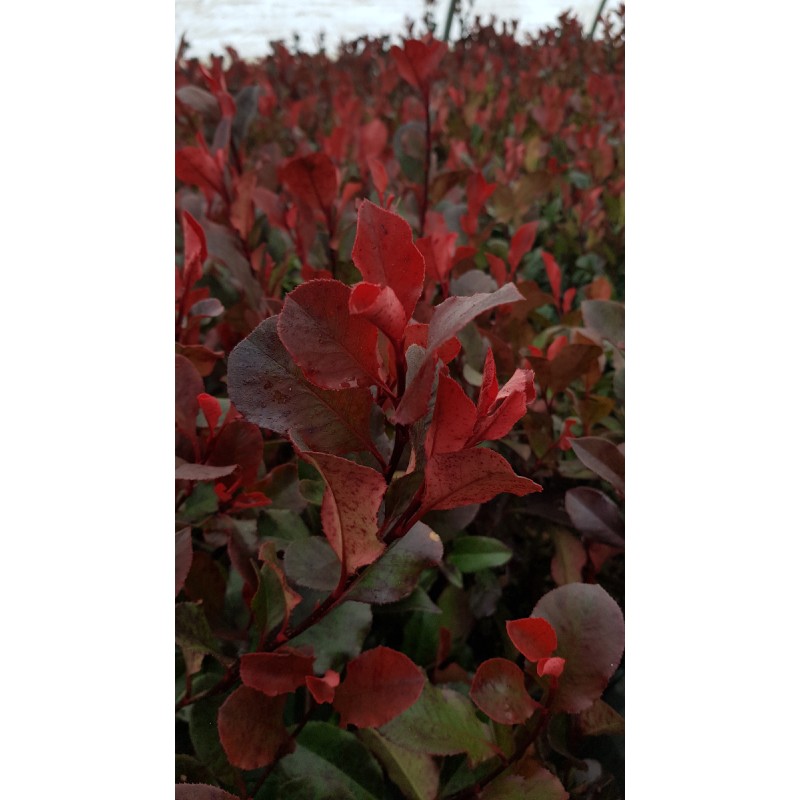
{"type": "Point", "coordinates": [384, 254]}
{"type": "Point", "coordinates": [595, 515]}
{"type": "Point", "coordinates": [421, 374]}
{"type": "Point", "coordinates": [350, 509]}
{"type": "Point", "coordinates": [498, 689]}
{"type": "Point", "coordinates": [533, 637]}
{"type": "Point", "coordinates": [470, 476]}
{"type": "Point", "coordinates": [379, 684]}
{"type": "Point", "coordinates": [270, 391]}
{"type": "Point", "coordinates": [474, 553]}
{"type": "Point", "coordinates": [275, 673]}
{"type": "Point", "coordinates": [335, 349]}
{"type": "Point", "coordinates": [251, 728]}
{"type": "Point", "coordinates": [600, 719]}
{"type": "Point", "coordinates": [395, 575]}
{"type": "Point", "coordinates": [591, 638]}
{"type": "Point", "coordinates": [603, 458]}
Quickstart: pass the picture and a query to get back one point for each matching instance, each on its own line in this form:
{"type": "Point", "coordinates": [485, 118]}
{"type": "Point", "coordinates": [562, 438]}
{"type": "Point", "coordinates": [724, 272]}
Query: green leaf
{"type": "Point", "coordinates": [331, 764]}
{"type": "Point", "coordinates": [338, 637]}
{"type": "Point", "coordinates": [418, 600]}
{"type": "Point", "coordinates": [421, 637]}
{"type": "Point", "coordinates": [441, 722]}
{"type": "Point", "coordinates": [313, 563]}
{"type": "Point", "coordinates": [282, 523]}
{"type": "Point", "coordinates": [473, 553]}
{"type": "Point", "coordinates": [312, 491]}
{"type": "Point", "coordinates": [201, 503]}
{"type": "Point", "coordinates": [415, 774]}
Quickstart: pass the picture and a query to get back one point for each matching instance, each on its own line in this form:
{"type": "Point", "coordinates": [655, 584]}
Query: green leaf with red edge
{"type": "Point", "coordinates": [534, 638]}
{"type": "Point", "coordinates": [591, 637]}
{"type": "Point", "coordinates": [595, 515]}
{"type": "Point", "coordinates": [201, 791]}
{"type": "Point", "coordinates": [454, 313]}
{"type": "Point", "coordinates": [269, 390]}
{"type": "Point", "coordinates": [251, 728]}
{"type": "Point", "coordinates": [521, 243]}
{"type": "Point", "coordinates": [335, 349]}
{"type": "Point", "coordinates": [350, 507]}
{"type": "Point", "coordinates": [454, 418]}
{"type": "Point", "coordinates": [470, 476]}
{"type": "Point", "coordinates": [274, 600]}
{"type": "Point", "coordinates": [380, 684]}
{"type": "Point", "coordinates": [602, 457]}
{"type": "Point", "coordinates": [442, 722]}
{"type": "Point", "coordinates": [396, 574]}
{"type": "Point", "coordinates": [275, 673]}
{"type": "Point", "coordinates": [498, 689]}
{"type": "Point", "coordinates": [311, 179]}
{"type": "Point", "coordinates": [384, 254]}
{"type": "Point", "coordinates": [379, 305]}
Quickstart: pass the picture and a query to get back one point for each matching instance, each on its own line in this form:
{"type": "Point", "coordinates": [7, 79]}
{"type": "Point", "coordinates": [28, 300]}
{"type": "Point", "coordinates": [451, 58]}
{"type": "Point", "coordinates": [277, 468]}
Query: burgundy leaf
{"type": "Point", "coordinates": [454, 418]}
{"type": "Point", "coordinates": [521, 243]}
{"type": "Point", "coordinates": [379, 305]}
{"type": "Point", "coordinates": [335, 349]}
{"type": "Point", "coordinates": [470, 476]}
{"type": "Point", "coordinates": [498, 689]}
{"type": "Point", "coordinates": [194, 249]}
{"type": "Point", "coordinates": [595, 515]}
{"type": "Point", "coordinates": [591, 638]}
{"type": "Point", "coordinates": [268, 389]}
{"type": "Point", "coordinates": [454, 313]}
{"type": "Point", "coordinates": [183, 557]}
{"type": "Point", "coordinates": [312, 179]}
{"type": "Point", "coordinates": [417, 61]}
{"type": "Point", "coordinates": [188, 384]}
{"type": "Point", "coordinates": [384, 253]}
{"type": "Point", "coordinates": [239, 442]}
{"type": "Point", "coordinates": [276, 673]}
{"type": "Point", "coordinates": [380, 684]}
{"type": "Point", "coordinates": [203, 472]}
{"type": "Point", "coordinates": [350, 507]}
{"type": "Point", "coordinates": [534, 638]}
{"type": "Point", "coordinates": [251, 728]}
{"type": "Point", "coordinates": [603, 458]}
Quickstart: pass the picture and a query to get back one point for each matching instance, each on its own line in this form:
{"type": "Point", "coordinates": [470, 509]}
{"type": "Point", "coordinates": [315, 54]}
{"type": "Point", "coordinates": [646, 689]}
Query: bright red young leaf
{"type": "Point", "coordinates": [380, 684]}
{"type": "Point", "coordinates": [335, 349]}
{"type": "Point", "coordinates": [470, 476]}
{"type": "Point", "coordinates": [197, 167]}
{"type": "Point", "coordinates": [275, 673]}
{"type": "Point", "coordinates": [497, 268]}
{"type": "Point", "coordinates": [489, 385]}
{"type": "Point", "coordinates": [498, 689]}
{"type": "Point", "coordinates": [384, 253]}
{"type": "Point", "coordinates": [533, 637]}
{"type": "Point", "coordinates": [211, 409]}
{"type": "Point", "coordinates": [312, 179]}
{"type": "Point", "coordinates": [438, 251]}
{"type": "Point", "coordinates": [322, 689]}
{"type": "Point", "coordinates": [194, 248]}
{"type": "Point", "coordinates": [453, 420]}
{"type": "Point", "coordinates": [418, 60]}
{"type": "Point", "coordinates": [269, 390]}
{"type": "Point", "coordinates": [591, 638]}
{"type": "Point", "coordinates": [379, 305]}
{"type": "Point", "coordinates": [350, 507]}
{"type": "Point", "coordinates": [521, 243]}
{"type": "Point", "coordinates": [508, 408]}
{"type": "Point", "coordinates": [550, 666]}
{"type": "Point", "coordinates": [251, 728]}
{"type": "Point", "coordinates": [553, 276]}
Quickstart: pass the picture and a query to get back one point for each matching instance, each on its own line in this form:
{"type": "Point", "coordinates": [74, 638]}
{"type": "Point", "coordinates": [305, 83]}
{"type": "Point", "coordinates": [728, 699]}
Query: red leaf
{"type": "Point", "coordinates": [238, 442]}
{"type": "Point", "coordinates": [498, 689]}
{"type": "Point", "coordinates": [603, 458]}
{"type": "Point", "coordinates": [384, 253]}
{"type": "Point", "coordinates": [335, 349]}
{"type": "Point", "coordinates": [379, 305]}
{"type": "Point", "coordinates": [275, 673]}
{"type": "Point", "coordinates": [268, 389]}
{"type": "Point", "coordinates": [497, 268]}
{"type": "Point", "coordinates": [489, 385]}
{"type": "Point", "coordinates": [453, 420]}
{"type": "Point", "coordinates": [421, 372]}
{"type": "Point", "coordinates": [380, 684]}
{"type": "Point", "coordinates": [521, 243]}
{"type": "Point", "coordinates": [553, 275]}
{"type": "Point", "coordinates": [418, 60]}
{"type": "Point", "coordinates": [312, 179]}
{"type": "Point", "coordinates": [350, 508]}
{"type": "Point", "coordinates": [470, 476]}
{"type": "Point", "coordinates": [509, 407]}
{"type": "Point", "coordinates": [188, 384]}
{"type": "Point", "coordinates": [322, 689]}
{"type": "Point", "coordinates": [378, 172]}
{"type": "Point", "coordinates": [251, 728]}
{"type": "Point", "coordinates": [183, 557]}
{"type": "Point", "coordinates": [203, 472]}
{"type": "Point", "coordinates": [550, 666]}
{"type": "Point", "coordinates": [438, 250]}
{"type": "Point", "coordinates": [591, 637]}
{"type": "Point", "coordinates": [534, 638]}
{"type": "Point", "coordinates": [195, 251]}
{"type": "Point", "coordinates": [197, 167]}
{"type": "Point", "coordinates": [454, 313]}
{"type": "Point", "coordinates": [211, 409]}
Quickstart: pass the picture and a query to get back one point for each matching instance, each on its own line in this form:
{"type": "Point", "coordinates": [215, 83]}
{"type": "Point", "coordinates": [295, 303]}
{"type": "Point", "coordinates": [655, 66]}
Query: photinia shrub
{"type": "Point", "coordinates": [399, 419]}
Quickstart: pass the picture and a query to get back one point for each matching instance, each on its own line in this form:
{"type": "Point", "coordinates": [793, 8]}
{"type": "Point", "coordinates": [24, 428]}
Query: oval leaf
{"type": "Point", "coordinates": [251, 728]}
{"type": "Point", "coordinates": [534, 638]}
{"type": "Point", "coordinates": [603, 458]}
{"type": "Point", "coordinates": [595, 515]}
{"type": "Point", "coordinates": [380, 684]}
{"type": "Point", "coordinates": [591, 637]}
{"type": "Point", "coordinates": [498, 689]}
{"type": "Point", "coordinates": [474, 553]}
{"type": "Point", "coordinates": [275, 674]}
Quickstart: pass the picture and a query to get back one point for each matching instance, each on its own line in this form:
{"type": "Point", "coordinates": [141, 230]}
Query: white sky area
{"type": "Point", "coordinates": [248, 25]}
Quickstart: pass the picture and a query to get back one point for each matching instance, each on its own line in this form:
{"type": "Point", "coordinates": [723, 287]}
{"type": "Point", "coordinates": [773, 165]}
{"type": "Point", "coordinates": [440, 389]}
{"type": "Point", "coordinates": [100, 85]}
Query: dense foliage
{"type": "Point", "coordinates": [400, 420]}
